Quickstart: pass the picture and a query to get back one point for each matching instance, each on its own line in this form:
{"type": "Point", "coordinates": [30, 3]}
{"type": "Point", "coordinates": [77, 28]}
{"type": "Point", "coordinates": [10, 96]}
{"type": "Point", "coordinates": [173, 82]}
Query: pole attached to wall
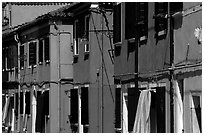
{"type": "Point", "coordinates": [171, 32]}
{"type": "Point", "coordinates": [19, 79]}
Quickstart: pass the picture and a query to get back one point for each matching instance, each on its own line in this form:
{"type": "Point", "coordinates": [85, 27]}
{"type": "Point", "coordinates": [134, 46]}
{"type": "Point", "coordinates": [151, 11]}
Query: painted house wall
{"type": "Point", "coordinates": [189, 51]}
{"type": "Point", "coordinates": [85, 71]}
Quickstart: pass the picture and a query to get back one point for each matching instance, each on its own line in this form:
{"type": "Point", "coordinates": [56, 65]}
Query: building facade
{"type": "Point", "coordinates": [102, 67]}
{"type": "Point", "coordinates": [152, 67]}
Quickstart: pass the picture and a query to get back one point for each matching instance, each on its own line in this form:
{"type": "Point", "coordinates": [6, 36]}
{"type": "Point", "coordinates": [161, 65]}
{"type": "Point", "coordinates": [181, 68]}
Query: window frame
{"type": "Point", "coordinates": [22, 60]}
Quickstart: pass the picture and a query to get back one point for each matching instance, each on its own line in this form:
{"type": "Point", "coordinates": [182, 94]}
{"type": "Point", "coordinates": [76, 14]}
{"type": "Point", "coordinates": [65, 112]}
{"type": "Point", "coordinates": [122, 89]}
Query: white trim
{"type": "Point", "coordinates": [86, 85]}
{"type": "Point", "coordinates": [162, 32]}
{"type": "Point", "coordinates": [132, 85]}
{"type": "Point", "coordinates": [118, 86]}
{"type": "Point", "coordinates": [76, 87]}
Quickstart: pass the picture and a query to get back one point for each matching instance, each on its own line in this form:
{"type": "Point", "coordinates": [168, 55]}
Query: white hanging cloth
{"type": "Point", "coordinates": [13, 120]}
{"type": "Point", "coordinates": [34, 105]}
{"type": "Point", "coordinates": [142, 117]}
{"type": "Point", "coordinates": [178, 109]}
{"type": "Point", "coordinates": [194, 122]}
{"type": "Point", "coordinates": [125, 116]}
{"type": "Point", "coordinates": [5, 110]}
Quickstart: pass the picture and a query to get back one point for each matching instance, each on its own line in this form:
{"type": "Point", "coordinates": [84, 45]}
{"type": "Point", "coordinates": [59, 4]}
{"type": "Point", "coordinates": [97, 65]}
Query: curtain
{"type": "Point", "coordinates": [125, 116]}
{"type": "Point", "coordinates": [178, 109]}
{"type": "Point", "coordinates": [34, 103]}
{"type": "Point", "coordinates": [5, 110]}
{"type": "Point", "coordinates": [142, 118]}
{"type": "Point", "coordinates": [194, 122]}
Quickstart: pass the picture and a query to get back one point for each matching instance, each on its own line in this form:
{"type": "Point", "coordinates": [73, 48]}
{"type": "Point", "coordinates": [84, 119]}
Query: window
{"type": "Point", "coordinates": [176, 6]}
{"type": "Point", "coordinates": [9, 60]}
{"type": "Point", "coordinates": [3, 59]}
{"type": "Point", "coordinates": [130, 20]}
{"type": "Point", "coordinates": [142, 20]}
{"type": "Point", "coordinates": [87, 27]}
{"type": "Point", "coordinates": [47, 49]}
{"type": "Point", "coordinates": [84, 106]}
{"type": "Point", "coordinates": [76, 45]}
{"type": "Point", "coordinates": [32, 53]}
{"type": "Point", "coordinates": [161, 10]}
{"type": "Point", "coordinates": [118, 108]}
{"type": "Point", "coordinates": [133, 97]}
{"type": "Point", "coordinates": [74, 106]}
{"type": "Point", "coordinates": [21, 56]}
{"type": "Point", "coordinates": [86, 47]}
{"type": "Point", "coordinates": [196, 111]}
{"type": "Point", "coordinates": [40, 51]}
{"type": "Point", "coordinates": [117, 23]}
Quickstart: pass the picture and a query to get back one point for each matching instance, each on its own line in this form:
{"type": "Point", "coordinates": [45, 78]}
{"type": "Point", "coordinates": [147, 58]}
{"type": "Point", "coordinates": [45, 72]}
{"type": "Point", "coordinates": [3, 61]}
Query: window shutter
{"type": "Point", "coordinates": [47, 49]}
{"type": "Point", "coordinates": [117, 23]}
{"type": "Point", "coordinates": [40, 51]}
{"type": "Point", "coordinates": [32, 53]}
{"type": "Point", "coordinates": [21, 56]}
{"type": "Point", "coordinates": [21, 102]}
{"type": "Point", "coordinates": [87, 27]}
{"type": "Point", "coordinates": [161, 9]}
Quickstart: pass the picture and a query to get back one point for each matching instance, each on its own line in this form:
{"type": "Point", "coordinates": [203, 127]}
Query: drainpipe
{"type": "Point", "coordinates": [171, 32]}
{"type": "Point", "coordinates": [16, 37]}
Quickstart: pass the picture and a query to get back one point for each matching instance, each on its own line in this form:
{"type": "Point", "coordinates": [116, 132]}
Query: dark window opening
{"type": "Point", "coordinates": [27, 102]}
{"type": "Point", "coordinates": [118, 108]}
{"type": "Point", "coordinates": [21, 57]}
{"type": "Point", "coordinates": [161, 10]}
{"type": "Point", "coordinates": [47, 49]}
{"type": "Point", "coordinates": [32, 53]}
{"type": "Point", "coordinates": [117, 23]}
{"type": "Point", "coordinates": [40, 51]}
{"type": "Point", "coordinates": [16, 104]}
{"type": "Point", "coordinates": [176, 7]}
{"type": "Point", "coordinates": [21, 102]}
{"type": "Point", "coordinates": [74, 106]}
{"type": "Point", "coordinates": [84, 106]}
{"type": "Point", "coordinates": [197, 105]}
{"type": "Point", "coordinates": [87, 27]}
{"type": "Point", "coordinates": [130, 20]}
{"type": "Point", "coordinates": [3, 59]}
{"type": "Point", "coordinates": [157, 111]}
{"type": "Point", "coordinates": [133, 97]}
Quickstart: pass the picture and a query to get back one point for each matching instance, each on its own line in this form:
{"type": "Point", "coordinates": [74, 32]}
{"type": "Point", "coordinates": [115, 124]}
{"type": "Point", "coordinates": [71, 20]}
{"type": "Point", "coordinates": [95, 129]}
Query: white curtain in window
{"type": "Point", "coordinates": [142, 118]}
{"type": "Point", "coordinates": [13, 120]}
{"type": "Point", "coordinates": [5, 110]}
{"type": "Point", "coordinates": [125, 116]}
{"type": "Point", "coordinates": [178, 109]}
{"type": "Point", "coordinates": [194, 122]}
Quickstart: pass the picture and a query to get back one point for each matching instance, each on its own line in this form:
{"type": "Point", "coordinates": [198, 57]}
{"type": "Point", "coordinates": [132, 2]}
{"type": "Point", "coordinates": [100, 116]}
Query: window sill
{"type": "Point", "coordinates": [161, 33]}
{"type": "Point", "coordinates": [118, 44]}
{"type": "Point", "coordinates": [131, 40]}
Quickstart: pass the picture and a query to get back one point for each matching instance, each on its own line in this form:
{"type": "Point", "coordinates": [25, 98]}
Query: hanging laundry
{"type": "Point", "coordinates": [5, 110]}
{"type": "Point", "coordinates": [142, 118]}
{"type": "Point", "coordinates": [125, 116]}
{"type": "Point", "coordinates": [34, 103]}
{"type": "Point", "coordinates": [178, 109]}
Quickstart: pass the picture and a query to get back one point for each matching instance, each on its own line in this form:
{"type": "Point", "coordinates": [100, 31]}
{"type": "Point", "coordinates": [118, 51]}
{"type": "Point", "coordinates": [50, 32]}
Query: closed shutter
{"type": "Point", "coordinates": [40, 51]}
{"type": "Point", "coordinates": [21, 103]}
{"type": "Point", "coordinates": [47, 49]}
{"type": "Point", "coordinates": [21, 56]}
{"type": "Point", "coordinates": [130, 20]}
{"type": "Point", "coordinates": [161, 10]}
{"type": "Point", "coordinates": [117, 23]}
{"type": "Point", "coordinates": [32, 53]}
